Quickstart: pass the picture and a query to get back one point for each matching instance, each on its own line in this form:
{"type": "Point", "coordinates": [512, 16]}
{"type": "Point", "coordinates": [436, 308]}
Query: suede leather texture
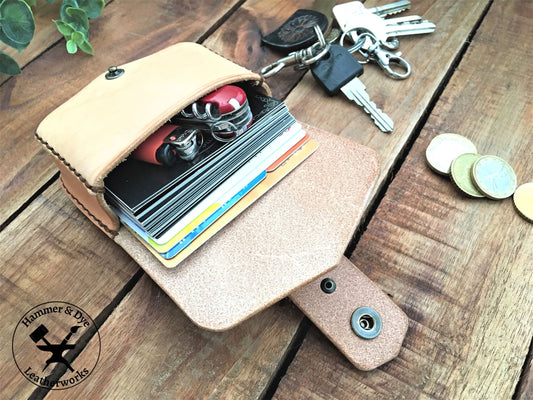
{"type": "Point", "coordinates": [294, 233]}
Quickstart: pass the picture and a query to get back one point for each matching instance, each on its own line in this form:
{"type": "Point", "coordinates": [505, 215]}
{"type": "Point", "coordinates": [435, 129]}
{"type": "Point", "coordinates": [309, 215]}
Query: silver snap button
{"type": "Point", "coordinates": [366, 323]}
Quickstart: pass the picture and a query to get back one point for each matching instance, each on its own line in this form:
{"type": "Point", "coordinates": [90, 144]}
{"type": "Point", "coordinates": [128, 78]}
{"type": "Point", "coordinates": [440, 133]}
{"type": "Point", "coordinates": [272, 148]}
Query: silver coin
{"type": "Point", "coordinates": [494, 177]}
{"type": "Point", "coordinates": [445, 148]}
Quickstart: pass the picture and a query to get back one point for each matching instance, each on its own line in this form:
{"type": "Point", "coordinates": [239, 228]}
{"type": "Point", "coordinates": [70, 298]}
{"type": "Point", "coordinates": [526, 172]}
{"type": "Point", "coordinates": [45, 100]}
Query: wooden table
{"type": "Point", "coordinates": [460, 268]}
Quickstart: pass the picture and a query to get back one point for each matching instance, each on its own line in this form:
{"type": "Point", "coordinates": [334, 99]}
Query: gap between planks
{"type": "Point", "coordinates": [305, 324]}
{"type": "Point", "coordinates": [368, 214]}
{"type": "Point", "coordinates": [41, 392]}
{"type": "Point", "coordinates": [524, 387]}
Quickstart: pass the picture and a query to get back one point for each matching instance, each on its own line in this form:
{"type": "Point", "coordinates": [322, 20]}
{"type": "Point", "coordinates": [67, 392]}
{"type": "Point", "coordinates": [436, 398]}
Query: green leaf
{"type": "Point", "coordinates": [17, 21]}
{"type": "Point", "coordinates": [9, 42]}
{"type": "Point", "coordinates": [78, 19]}
{"type": "Point", "coordinates": [31, 3]}
{"type": "Point", "coordinates": [62, 10]}
{"type": "Point", "coordinates": [65, 29]}
{"type": "Point", "coordinates": [93, 8]}
{"type": "Point", "coordinates": [86, 47]}
{"type": "Point", "coordinates": [8, 65]}
{"type": "Point", "coordinates": [72, 47]}
{"type": "Point", "coordinates": [77, 37]}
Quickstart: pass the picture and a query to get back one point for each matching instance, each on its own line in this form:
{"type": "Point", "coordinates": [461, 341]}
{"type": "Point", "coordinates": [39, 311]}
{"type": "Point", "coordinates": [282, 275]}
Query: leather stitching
{"type": "Point", "coordinates": [70, 167]}
{"type": "Point", "coordinates": [103, 226]}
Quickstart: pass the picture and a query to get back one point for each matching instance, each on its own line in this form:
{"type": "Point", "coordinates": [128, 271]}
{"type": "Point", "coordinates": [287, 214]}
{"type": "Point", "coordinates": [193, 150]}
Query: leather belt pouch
{"type": "Point", "coordinates": [285, 244]}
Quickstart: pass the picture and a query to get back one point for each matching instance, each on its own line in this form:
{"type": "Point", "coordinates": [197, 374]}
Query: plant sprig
{"type": "Point", "coordinates": [17, 26]}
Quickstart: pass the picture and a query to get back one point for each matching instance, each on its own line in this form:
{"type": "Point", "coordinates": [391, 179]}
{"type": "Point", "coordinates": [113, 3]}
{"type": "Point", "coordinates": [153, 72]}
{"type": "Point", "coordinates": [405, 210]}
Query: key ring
{"type": "Point", "coordinates": [301, 58]}
{"type": "Point", "coordinates": [358, 44]}
{"type": "Point", "coordinates": [187, 143]}
{"type": "Point", "coordinates": [384, 58]}
{"type": "Point", "coordinates": [375, 53]}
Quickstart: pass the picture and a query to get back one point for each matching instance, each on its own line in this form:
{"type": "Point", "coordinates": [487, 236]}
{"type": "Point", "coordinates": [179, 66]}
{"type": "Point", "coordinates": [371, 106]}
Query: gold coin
{"type": "Point", "coordinates": [494, 177]}
{"type": "Point", "coordinates": [461, 172]}
{"type": "Point", "coordinates": [523, 200]}
{"type": "Point", "coordinates": [445, 148]}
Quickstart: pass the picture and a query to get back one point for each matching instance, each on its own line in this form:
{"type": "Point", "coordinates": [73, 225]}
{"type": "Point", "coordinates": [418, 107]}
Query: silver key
{"type": "Point", "coordinates": [384, 29]}
{"type": "Point", "coordinates": [408, 25]}
{"type": "Point", "coordinates": [390, 9]}
{"type": "Point", "coordinates": [340, 72]}
{"type": "Point", "coordinates": [344, 12]}
{"type": "Point", "coordinates": [355, 90]}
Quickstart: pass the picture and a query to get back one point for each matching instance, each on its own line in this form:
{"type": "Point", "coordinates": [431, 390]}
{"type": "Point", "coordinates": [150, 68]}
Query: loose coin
{"type": "Point", "coordinates": [523, 200]}
{"type": "Point", "coordinates": [461, 172]}
{"type": "Point", "coordinates": [494, 177]}
{"type": "Point", "coordinates": [445, 148]}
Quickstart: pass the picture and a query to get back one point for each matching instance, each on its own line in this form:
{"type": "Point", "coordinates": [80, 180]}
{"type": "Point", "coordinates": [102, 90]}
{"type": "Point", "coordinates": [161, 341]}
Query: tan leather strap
{"type": "Point", "coordinates": [332, 314]}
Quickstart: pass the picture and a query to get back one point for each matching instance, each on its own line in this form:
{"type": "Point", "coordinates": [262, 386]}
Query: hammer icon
{"type": "Point", "coordinates": [56, 349]}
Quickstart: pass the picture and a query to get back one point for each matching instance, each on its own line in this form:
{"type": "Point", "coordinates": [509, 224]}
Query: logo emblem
{"type": "Point", "coordinates": [56, 345]}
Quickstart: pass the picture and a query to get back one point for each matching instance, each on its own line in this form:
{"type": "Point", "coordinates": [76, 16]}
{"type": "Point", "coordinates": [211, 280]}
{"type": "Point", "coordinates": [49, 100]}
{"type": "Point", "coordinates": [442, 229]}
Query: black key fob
{"type": "Point", "coordinates": [297, 32]}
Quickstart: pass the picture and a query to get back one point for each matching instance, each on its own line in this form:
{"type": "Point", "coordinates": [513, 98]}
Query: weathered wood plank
{"type": "Point", "coordinates": [118, 36]}
{"type": "Point", "coordinates": [46, 34]}
{"type": "Point", "coordinates": [240, 38]}
{"type": "Point", "coordinates": [254, 363]}
{"type": "Point", "coordinates": [221, 42]}
{"type": "Point", "coordinates": [525, 386]}
{"type": "Point", "coordinates": [149, 338]}
{"type": "Point", "coordinates": [51, 252]}
{"type": "Point", "coordinates": [460, 268]}
{"type": "Point", "coordinates": [405, 101]}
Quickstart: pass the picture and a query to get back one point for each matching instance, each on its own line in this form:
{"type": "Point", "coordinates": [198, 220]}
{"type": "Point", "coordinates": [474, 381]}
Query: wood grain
{"type": "Point", "coordinates": [240, 39]}
{"type": "Point", "coordinates": [460, 268]}
{"type": "Point", "coordinates": [52, 253]}
{"type": "Point", "coordinates": [46, 34]}
{"type": "Point", "coordinates": [525, 386]}
{"type": "Point", "coordinates": [117, 37]}
{"type": "Point", "coordinates": [150, 349]}
{"type": "Point", "coordinates": [405, 101]}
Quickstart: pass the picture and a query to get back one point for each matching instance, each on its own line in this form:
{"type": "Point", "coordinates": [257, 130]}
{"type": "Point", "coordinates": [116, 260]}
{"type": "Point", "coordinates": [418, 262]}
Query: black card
{"type": "Point", "coordinates": [133, 183]}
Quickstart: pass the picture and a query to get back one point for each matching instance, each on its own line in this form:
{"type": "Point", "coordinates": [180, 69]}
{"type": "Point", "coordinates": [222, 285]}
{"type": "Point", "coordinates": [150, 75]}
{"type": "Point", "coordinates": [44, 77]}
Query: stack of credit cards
{"type": "Point", "coordinates": [170, 207]}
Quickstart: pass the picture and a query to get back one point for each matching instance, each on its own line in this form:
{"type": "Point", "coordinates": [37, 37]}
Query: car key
{"type": "Point", "coordinates": [338, 71]}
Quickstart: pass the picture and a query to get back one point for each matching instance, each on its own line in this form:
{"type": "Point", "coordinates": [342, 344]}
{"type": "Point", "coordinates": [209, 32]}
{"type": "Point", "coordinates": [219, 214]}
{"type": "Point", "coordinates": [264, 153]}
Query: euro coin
{"type": "Point", "coordinates": [523, 200]}
{"type": "Point", "coordinates": [445, 148]}
{"type": "Point", "coordinates": [494, 177]}
{"type": "Point", "coordinates": [461, 173]}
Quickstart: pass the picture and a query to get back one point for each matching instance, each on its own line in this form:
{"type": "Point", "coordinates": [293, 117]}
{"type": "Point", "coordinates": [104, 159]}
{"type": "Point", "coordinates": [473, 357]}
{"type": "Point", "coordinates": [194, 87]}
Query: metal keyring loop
{"type": "Point", "coordinates": [317, 57]}
{"type": "Point", "coordinates": [300, 58]}
{"type": "Point", "coordinates": [359, 43]}
{"type": "Point", "coordinates": [234, 131]}
{"type": "Point", "coordinates": [319, 35]}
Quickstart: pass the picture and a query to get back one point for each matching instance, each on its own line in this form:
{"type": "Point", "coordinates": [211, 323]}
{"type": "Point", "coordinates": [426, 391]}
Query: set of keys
{"type": "Point", "coordinates": [334, 66]}
{"type": "Point", "coordinates": [353, 18]}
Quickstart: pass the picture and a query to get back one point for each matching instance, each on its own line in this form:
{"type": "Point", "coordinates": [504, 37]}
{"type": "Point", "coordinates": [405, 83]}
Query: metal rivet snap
{"type": "Point", "coordinates": [114, 72]}
{"type": "Point", "coordinates": [328, 285]}
{"type": "Point", "coordinates": [366, 323]}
